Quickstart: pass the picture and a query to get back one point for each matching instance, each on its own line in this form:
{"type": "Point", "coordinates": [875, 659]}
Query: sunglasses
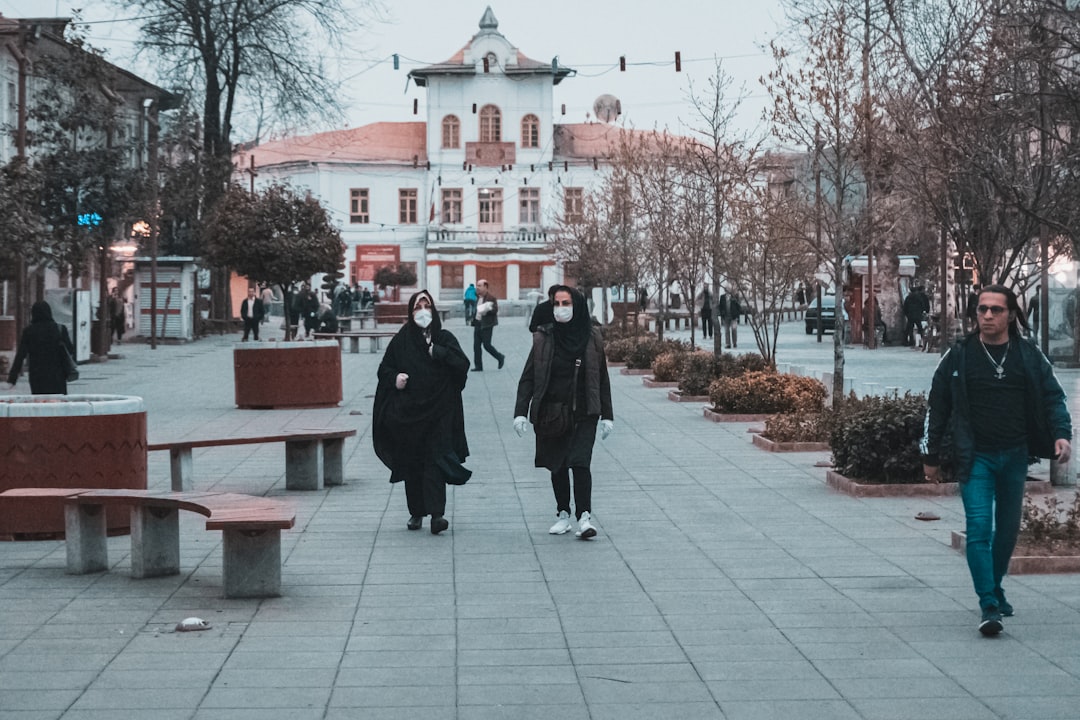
{"type": "Point", "coordinates": [992, 309]}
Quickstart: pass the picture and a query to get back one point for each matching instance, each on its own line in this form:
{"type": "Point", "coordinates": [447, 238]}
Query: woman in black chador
{"type": "Point", "coordinates": [419, 421]}
{"type": "Point", "coordinates": [565, 391]}
{"type": "Point", "coordinates": [44, 342]}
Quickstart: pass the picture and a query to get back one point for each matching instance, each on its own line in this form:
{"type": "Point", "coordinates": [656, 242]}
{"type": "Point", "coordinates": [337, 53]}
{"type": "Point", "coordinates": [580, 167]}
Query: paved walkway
{"type": "Point", "coordinates": [726, 582]}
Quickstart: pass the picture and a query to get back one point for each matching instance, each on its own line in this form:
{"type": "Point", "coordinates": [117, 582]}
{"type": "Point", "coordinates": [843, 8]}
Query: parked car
{"type": "Point", "coordinates": [828, 314]}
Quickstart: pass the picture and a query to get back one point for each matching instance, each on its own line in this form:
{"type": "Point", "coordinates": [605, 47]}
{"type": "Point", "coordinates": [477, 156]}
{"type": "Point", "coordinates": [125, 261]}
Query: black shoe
{"type": "Point", "coordinates": [415, 521]}
{"type": "Point", "coordinates": [502, 361]}
{"type": "Point", "coordinates": [991, 620]}
{"type": "Point", "coordinates": [1003, 604]}
{"type": "Point", "coordinates": [438, 524]}
{"type": "Point", "coordinates": [477, 370]}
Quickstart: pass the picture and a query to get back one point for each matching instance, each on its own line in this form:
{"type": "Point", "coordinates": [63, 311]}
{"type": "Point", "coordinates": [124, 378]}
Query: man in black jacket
{"type": "Point", "coordinates": [998, 395]}
{"type": "Point", "coordinates": [251, 310]}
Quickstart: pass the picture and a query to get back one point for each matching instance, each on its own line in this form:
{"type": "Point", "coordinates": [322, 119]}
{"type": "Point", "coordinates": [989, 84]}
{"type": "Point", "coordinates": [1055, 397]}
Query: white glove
{"type": "Point", "coordinates": [402, 379]}
{"type": "Point", "coordinates": [606, 426]}
{"type": "Point", "coordinates": [521, 424]}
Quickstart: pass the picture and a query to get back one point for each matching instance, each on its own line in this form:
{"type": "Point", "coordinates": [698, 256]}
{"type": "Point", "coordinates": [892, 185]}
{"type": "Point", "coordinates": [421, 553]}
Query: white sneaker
{"type": "Point", "coordinates": [562, 525]}
{"type": "Point", "coordinates": [586, 529]}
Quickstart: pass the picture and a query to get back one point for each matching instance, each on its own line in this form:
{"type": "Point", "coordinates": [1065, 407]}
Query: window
{"type": "Point", "coordinates": [530, 275]}
{"type": "Point", "coordinates": [453, 276]}
{"type": "Point", "coordinates": [574, 199]}
{"type": "Point", "coordinates": [451, 205]}
{"type": "Point", "coordinates": [529, 200]}
{"type": "Point", "coordinates": [490, 207]}
{"type": "Point", "coordinates": [358, 206]}
{"type": "Point", "coordinates": [407, 206]}
{"type": "Point", "coordinates": [530, 131]}
{"type": "Point", "coordinates": [490, 124]}
{"type": "Point", "coordinates": [451, 132]}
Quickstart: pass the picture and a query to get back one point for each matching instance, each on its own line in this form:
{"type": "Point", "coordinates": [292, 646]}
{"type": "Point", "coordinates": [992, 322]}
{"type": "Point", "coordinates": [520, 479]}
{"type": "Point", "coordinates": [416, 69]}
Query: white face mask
{"type": "Point", "coordinates": [563, 314]}
{"type": "Point", "coordinates": [422, 317]}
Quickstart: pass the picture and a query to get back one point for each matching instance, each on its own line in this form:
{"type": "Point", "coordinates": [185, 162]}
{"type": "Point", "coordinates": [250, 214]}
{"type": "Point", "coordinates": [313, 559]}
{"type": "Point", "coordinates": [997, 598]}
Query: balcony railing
{"type": "Point", "coordinates": [466, 238]}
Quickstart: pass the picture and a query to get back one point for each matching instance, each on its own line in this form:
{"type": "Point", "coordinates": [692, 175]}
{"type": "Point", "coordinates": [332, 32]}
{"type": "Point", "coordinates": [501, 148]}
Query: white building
{"type": "Point", "coordinates": [471, 192]}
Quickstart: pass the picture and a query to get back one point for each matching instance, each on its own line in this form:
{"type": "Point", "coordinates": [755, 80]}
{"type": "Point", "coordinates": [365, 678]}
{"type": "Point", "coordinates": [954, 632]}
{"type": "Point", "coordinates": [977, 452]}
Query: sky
{"type": "Point", "coordinates": [587, 36]}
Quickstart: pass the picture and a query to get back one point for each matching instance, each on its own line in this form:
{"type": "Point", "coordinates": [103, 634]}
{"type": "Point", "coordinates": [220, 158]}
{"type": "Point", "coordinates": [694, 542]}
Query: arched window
{"type": "Point", "coordinates": [490, 124]}
{"type": "Point", "coordinates": [530, 131]}
{"type": "Point", "coordinates": [451, 132]}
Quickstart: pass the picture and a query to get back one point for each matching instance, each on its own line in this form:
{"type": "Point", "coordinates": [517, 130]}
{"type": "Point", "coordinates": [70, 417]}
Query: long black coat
{"type": "Point", "coordinates": [427, 418]}
{"type": "Point", "coordinates": [40, 342]}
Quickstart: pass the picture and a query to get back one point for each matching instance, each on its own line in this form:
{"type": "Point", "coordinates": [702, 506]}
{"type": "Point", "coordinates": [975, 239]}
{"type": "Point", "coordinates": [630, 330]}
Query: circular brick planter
{"type": "Point", "coordinates": [67, 441]}
{"type": "Point", "coordinates": [287, 374]}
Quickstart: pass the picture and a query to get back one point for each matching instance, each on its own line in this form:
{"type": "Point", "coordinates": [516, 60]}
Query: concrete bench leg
{"type": "Point", "coordinates": [155, 541]}
{"type": "Point", "coordinates": [304, 465]}
{"type": "Point", "coordinates": [354, 345]}
{"type": "Point", "coordinates": [180, 467]}
{"type": "Point", "coordinates": [374, 344]}
{"type": "Point", "coordinates": [333, 462]}
{"type": "Point", "coordinates": [251, 563]}
{"type": "Point", "coordinates": [84, 531]}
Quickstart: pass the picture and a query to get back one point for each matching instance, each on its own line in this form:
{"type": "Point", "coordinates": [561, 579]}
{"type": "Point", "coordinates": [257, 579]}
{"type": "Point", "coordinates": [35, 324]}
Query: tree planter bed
{"type": "Point", "coordinates": [773, 446]}
{"type": "Point", "coordinates": [61, 441]}
{"type": "Point", "coordinates": [681, 397]}
{"type": "Point", "coordinates": [720, 417]}
{"type": "Point", "coordinates": [1028, 564]}
{"type": "Point", "coordinates": [650, 382]}
{"type": "Point", "coordinates": [856, 489]}
{"type": "Point", "coordinates": [287, 375]}
{"type": "Point", "coordinates": [635, 371]}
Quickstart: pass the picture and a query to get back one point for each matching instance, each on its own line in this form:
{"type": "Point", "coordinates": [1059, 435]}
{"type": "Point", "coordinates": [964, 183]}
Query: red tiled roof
{"type": "Point", "coordinates": [596, 139]}
{"type": "Point", "coordinates": [377, 142]}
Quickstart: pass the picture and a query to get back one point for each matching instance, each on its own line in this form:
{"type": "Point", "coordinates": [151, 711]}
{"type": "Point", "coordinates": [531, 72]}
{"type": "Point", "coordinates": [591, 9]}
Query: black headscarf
{"type": "Point", "coordinates": [572, 337]}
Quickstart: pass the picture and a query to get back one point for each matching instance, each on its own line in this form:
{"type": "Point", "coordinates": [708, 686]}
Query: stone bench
{"type": "Point", "coordinates": [251, 533]}
{"type": "Point", "coordinates": [354, 338]}
{"type": "Point", "coordinates": [313, 458]}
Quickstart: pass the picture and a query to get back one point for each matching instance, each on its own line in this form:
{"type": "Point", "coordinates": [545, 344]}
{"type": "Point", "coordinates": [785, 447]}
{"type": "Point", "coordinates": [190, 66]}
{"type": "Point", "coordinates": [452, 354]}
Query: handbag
{"type": "Point", "coordinates": [557, 418]}
{"type": "Point", "coordinates": [71, 369]}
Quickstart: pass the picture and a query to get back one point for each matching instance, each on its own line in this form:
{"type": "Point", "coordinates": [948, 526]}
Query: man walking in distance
{"type": "Point", "coordinates": [729, 315]}
{"type": "Point", "coordinates": [251, 310]}
{"type": "Point", "coordinates": [997, 393]}
{"type": "Point", "coordinates": [487, 317]}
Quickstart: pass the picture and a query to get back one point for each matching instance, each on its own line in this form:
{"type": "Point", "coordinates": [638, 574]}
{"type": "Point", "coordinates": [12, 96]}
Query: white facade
{"type": "Point", "coordinates": [478, 202]}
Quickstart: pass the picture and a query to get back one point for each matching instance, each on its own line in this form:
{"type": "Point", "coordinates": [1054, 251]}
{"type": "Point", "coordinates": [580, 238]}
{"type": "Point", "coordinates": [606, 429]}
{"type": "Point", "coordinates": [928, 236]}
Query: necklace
{"type": "Point", "coordinates": [999, 367]}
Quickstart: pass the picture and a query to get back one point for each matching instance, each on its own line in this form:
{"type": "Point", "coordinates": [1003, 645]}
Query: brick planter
{"type": "Point", "coordinates": [634, 371]}
{"type": "Point", "coordinates": [650, 382]}
{"type": "Point", "coordinates": [1028, 564]}
{"type": "Point", "coordinates": [68, 441]}
{"type": "Point", "coordinates": [719, 417]}
{"type": "Point", "coordinates": [856, 489]}
{"type": "Point", "coordinates": [287, 374]}
{"type": "Point", "coordinates": [772, 446]}
{"type": "Point", "coordinates": [679, 396]}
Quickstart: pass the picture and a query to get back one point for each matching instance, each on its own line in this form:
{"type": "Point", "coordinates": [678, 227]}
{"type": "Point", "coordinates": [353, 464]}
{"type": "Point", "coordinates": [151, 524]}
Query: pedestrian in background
{"type": "Point", "coordinates": [418, 424]}
{"type": "Point", "coordinates": [470, 304]}
{"type": "Point", "coordinates": [564, 391]}
{"type": "Point", "coordinates": [117, 316]}
{"type": "Point", "coordinates": [48, 347]}
{"type": "Point", "coordinates": [251, 312]}
{"type": "Point", "coordinates": [487, 317]}
{"type": "Point", "coordinates": [706, 313]}
{"type": "Point", "coordinates": [998, 395]}
{"type": "Point", "coordinates": [729, 311]}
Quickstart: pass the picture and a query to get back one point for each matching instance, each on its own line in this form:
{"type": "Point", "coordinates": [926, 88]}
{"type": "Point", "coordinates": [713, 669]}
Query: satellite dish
{"type": "Point", "coordinates": [607, 108]}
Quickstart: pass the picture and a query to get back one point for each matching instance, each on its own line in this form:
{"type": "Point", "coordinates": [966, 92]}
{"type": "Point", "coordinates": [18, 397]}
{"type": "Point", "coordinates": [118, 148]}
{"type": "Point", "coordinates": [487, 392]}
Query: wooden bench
{"type": "Point", "coordinates": [313, 458]}
{"type": "Point", "coordinates": [251, 533]}
{"type": "Point", "coordinates": [354, 338]}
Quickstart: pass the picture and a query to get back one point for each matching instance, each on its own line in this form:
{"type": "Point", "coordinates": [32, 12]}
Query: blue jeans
{"type": "Point", "coordinates": [993, 503]}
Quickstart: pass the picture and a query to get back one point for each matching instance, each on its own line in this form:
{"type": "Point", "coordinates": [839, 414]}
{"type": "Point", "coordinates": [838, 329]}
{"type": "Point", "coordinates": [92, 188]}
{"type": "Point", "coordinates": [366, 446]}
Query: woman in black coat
{"type": "Point", "coordinates": [419, 421]}
{"type": "Point", "coordinates": [41, 342]}
{"type": "Point", "coordinates": [566, 371]}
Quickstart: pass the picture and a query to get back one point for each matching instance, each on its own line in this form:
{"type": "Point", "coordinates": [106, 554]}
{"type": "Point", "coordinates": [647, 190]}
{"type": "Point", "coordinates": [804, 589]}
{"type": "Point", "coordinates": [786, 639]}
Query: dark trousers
{"type": "Point", "coordinates": [251, 325]}
{"type": "Point", "coordinates": [482, 339]}
{"type": "Point", "coordinates": [706, 323]}
{"type": "Point", "coordinates": [118, 326]}
{"type": "Point", "coordinates": [560, 483]}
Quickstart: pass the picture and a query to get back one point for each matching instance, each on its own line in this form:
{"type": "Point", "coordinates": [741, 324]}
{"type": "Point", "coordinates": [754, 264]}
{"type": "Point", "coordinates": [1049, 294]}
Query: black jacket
{"type": "Point", "coordinates": [537, 373]}
{"type": "Point", "coordinates": [947, 407]}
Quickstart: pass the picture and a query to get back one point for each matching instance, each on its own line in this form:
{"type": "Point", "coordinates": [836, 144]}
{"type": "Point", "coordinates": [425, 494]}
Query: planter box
{"type": "Point", "coordinates": [649, 382]}
{"type": "Point", "coordinates": [635, 371]}
{"type": "Point", "coordinates": [772, 446]}
{"type": "Point", "coordinates": [711, 414]}
{"type": "Point", "coordinates": [856, 489]}
{"type": "Point", "coordinates": [1029, 564]}
{"type": "Point", "coordinates": [287, 374]}
{"type": "Point", "coordinates": [679, 396]}
{"type": "Point", "coordinates": [68, 441]}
